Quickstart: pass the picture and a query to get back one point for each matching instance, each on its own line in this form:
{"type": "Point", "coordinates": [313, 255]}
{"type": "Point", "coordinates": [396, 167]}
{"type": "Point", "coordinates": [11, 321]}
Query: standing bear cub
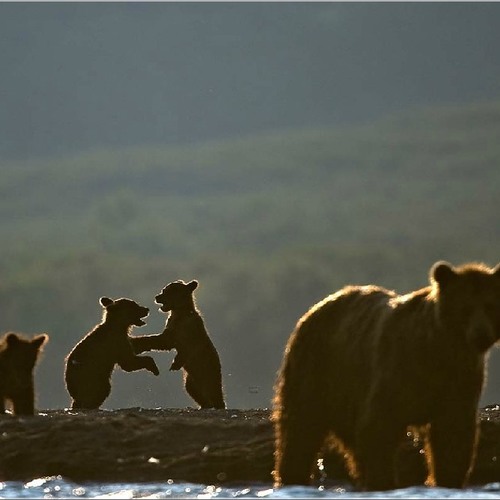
{"type": "Point", "coordinates": [185, 332]}
{"type": "Point", "coordinates": [91, 362]}
{"type": "Point", "coordinates": [18, 357]}
{"type": "Point", "coordinates": [365, 364]}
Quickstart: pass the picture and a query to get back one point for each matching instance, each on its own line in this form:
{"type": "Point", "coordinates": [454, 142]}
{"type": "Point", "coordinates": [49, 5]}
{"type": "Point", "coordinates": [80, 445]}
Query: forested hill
{"type": "Point", "coordinates": [437, 168]}
{"type": "Point", "coordinates": [268, 224]}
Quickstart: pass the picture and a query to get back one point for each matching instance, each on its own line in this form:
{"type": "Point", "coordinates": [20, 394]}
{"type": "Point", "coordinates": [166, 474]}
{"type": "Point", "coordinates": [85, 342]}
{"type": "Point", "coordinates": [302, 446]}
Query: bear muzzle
{"type": "Point", "coordinates": [163, 306]}
{"type": "Point", "coordinates": [144, 314]}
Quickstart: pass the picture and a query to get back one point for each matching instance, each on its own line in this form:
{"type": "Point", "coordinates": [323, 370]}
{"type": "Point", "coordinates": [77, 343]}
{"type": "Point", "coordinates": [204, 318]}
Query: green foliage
{"type": "Point", "coordinates": [268, 224]}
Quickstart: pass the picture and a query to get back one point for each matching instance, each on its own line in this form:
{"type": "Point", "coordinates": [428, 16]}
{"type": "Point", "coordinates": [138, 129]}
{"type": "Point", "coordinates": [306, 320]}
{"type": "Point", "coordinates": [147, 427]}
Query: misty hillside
{"type": "Point", "coordinates": [84, 75]}
{"type": "Point", "coordinates": [269, 224]}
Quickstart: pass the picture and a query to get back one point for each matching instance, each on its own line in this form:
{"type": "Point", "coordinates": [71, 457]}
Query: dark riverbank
{"type": "Point", "coordinates": [200, 446]}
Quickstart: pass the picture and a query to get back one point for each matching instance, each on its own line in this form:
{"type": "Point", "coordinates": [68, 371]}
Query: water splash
{"type": "Point", "coordinates": [57, 487]}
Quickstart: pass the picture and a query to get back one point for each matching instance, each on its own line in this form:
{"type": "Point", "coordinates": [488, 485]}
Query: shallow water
{"type": "Point", "coordinates": [57, 487]}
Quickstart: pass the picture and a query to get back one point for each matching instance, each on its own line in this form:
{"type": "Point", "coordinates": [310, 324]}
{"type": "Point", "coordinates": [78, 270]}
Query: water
{"type": "Point", "coordinates": [57, 487]}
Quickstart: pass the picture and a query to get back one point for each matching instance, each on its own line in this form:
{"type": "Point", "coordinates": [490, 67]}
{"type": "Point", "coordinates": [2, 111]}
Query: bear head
{"type": "Point", "coordinates": [124, 311]}
{"type": "Point", "coordinates": [177, 295]}
{"type": "Point", "coordinates": [19, 356]}
{"type": "Point", "coordinates": [468, 299]}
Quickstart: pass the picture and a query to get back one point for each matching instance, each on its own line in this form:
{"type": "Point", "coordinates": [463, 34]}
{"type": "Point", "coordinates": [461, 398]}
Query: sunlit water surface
{"type": "Point", "coordinates": [57, 487]}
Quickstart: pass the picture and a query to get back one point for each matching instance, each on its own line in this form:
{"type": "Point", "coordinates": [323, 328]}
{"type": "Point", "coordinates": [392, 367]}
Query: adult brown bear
{"type": "Point", "coordinates": [186, 333]}
{"type": "Point", "coordinates": [18, 357]}
{"type": "Point", "coordinates": [365, 364]}
{"type": "Point", "coordinates": [91, 362]}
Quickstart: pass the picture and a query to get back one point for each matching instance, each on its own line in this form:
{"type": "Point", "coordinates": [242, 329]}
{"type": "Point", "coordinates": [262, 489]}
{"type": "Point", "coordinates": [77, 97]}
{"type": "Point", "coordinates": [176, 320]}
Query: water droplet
{"type": "Point", "coordinates": [264, 493]}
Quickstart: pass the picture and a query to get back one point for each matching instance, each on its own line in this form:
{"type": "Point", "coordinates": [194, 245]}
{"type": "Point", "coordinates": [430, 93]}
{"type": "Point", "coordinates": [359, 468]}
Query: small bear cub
{"type": "Point", "coordinates": [18, 357]}
{"type": "Point", "coordinates": [91, 362]}
{"type": "Point", "coordinates": [186, 332]}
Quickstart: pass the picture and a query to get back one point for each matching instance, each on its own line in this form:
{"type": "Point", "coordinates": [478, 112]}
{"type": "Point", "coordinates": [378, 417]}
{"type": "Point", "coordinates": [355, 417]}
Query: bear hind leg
{"type": "Point", "coordinates": [194, 391]}
{"type": "Point", "coordinates": [91, 399]}
{"type": "Point", "coordinates": [213, 392]}
{"type": "Point", "coordinates": [299, 440]}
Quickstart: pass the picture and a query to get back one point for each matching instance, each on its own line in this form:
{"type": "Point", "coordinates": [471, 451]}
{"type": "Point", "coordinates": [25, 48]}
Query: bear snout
{"type": "Point", "coordinates": [160, 300]}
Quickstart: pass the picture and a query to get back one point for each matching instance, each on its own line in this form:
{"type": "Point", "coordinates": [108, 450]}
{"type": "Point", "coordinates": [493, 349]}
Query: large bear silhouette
{"type": "Point", "coordinates": [365, 364]}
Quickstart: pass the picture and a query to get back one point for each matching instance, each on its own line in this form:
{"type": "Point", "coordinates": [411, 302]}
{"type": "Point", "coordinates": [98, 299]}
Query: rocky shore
{"type": "Point", "coordinates": [200, 446]}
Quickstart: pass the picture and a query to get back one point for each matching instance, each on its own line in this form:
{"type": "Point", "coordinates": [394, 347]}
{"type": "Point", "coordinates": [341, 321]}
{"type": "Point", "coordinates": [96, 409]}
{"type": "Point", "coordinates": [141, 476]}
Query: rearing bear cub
{"type": "Point", "coordinates": [185, 332]}
{"type": "Point", "coordinates": [91, 362]}
{"type": "Point", "coordinates": [364, 364]}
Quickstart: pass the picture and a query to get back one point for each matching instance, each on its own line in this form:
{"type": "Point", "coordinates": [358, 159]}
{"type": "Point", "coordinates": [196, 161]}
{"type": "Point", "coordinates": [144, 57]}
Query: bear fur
{"type": "Point", "coordinates": [18, 357]}
{"type": "Point", "coordinates": [365, 364]}
{"type": "Point", "coordinates": [91, 362]}
{"type": "Point", "coordinates": [186, 332]}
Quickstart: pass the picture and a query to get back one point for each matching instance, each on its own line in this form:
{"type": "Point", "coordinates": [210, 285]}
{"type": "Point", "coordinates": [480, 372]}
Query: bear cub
{"type": "Point", "coordinates": [365, 364]}
{"type": "Point", "coordinates": [185, 332]}
{"type": "Point", "coordinates": [18, 357]}
{"type": "Point", "coordinates": [91, 362]}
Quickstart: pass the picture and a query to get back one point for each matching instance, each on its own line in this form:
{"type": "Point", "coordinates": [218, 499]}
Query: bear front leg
{"type": "Point", "coordinates": [451, 446]}
{"type": "Point", "coordinates": [149, 343]}
{"type": "Point", "coordinates": [24, 403]}
{"type": "Point", "coordinates": [177, 363]}
{"type": "Point", "coordinates": [135, 363]}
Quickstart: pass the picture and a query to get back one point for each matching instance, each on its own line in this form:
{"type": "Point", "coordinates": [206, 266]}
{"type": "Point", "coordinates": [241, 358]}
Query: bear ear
{"type": "Point", "coordinates": [192, 285]}
{"type": "Point", "coordinates": [105, 301]}
{"type": "Point", "coordinates": [39, 340]}
{"type": "Point", "coordinates": [443, 273]}
{"type": "Point", "coordinates": [12, 339]}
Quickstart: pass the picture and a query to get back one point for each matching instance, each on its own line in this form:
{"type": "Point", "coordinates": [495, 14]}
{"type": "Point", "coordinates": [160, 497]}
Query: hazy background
{"type": "Point", "coordinates": [273, 151]}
